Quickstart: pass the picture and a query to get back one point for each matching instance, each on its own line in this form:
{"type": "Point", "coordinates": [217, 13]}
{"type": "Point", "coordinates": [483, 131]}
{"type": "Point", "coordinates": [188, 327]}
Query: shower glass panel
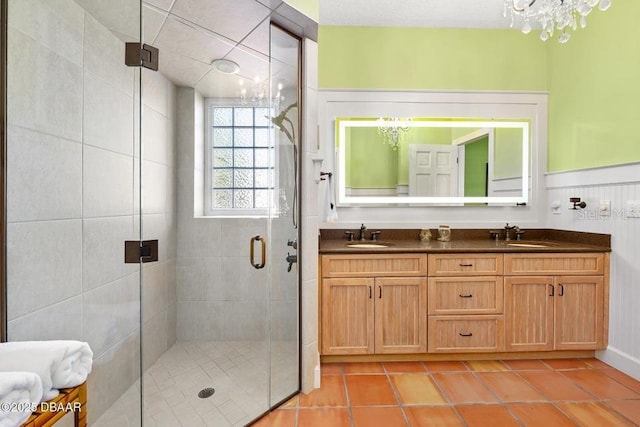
{"type": "Point", "coordinates": [73, 189]}
{"type": "Point", "coordinates": [220, 307]}
{"type": "Point", "coordinates": [284, 294]}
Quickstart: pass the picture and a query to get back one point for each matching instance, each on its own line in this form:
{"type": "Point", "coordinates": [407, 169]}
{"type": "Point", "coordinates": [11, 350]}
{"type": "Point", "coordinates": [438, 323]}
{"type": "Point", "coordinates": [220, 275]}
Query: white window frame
{"type": "Point", "coordinates": [209, 211]}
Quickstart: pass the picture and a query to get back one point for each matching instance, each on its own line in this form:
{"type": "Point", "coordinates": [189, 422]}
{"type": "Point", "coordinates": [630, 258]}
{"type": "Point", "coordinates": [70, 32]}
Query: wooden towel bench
{"type": "Point", "coordinates": [69, 400]}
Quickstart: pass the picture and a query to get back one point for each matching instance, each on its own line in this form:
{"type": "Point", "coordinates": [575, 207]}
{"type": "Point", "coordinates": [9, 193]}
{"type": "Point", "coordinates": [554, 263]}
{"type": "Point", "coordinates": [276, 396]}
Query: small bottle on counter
{"type": "Point", "coordinates": [444, 233]}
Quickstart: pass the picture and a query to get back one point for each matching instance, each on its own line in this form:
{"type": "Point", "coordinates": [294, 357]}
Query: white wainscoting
{"type": "Point", "coordinates": [618, 184]}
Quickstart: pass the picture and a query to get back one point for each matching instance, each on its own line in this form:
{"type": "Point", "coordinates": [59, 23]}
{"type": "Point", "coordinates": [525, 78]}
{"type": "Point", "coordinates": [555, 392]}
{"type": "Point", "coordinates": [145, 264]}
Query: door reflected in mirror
{"type": "Point", "coordinates": [432, 161]}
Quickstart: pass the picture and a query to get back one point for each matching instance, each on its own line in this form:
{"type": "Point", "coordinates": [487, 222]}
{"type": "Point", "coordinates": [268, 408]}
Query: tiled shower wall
{"type": "Point", "coordinates": [618, 185]}
{"type": "Point", "coordinates": [72, 193]}
{"type": "Point", "coordinates": [219, 296]}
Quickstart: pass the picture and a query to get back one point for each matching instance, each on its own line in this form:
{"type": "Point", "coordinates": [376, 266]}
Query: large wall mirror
{"type": "Point", "coordinates": [432, 160]}
{"type": "Point", "coordinates": [403, 148]}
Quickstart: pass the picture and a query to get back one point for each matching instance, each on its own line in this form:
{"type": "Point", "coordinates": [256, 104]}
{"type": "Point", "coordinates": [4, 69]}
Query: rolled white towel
{"type": "Point", "coordinates": [20, 392]}
{"type": "Point", "coordinates": [60, 364]}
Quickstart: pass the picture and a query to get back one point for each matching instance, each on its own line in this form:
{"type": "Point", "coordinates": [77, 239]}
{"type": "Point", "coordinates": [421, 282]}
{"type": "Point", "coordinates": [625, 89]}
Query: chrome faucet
{"type": "Point", "coordinates": [363, 232]}
{"type": "Point", "coordinates": [506, 231]}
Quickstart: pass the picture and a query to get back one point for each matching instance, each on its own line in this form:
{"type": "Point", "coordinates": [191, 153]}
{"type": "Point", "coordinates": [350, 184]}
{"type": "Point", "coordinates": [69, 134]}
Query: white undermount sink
{"type": "Point", "coordinates": [528, 245]}
{"type": "Point", "coordinates": [368, 245]}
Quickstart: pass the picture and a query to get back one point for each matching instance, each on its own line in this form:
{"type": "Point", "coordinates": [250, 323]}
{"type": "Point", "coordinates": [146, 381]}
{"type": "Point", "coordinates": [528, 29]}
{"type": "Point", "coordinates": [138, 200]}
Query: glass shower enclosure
{"type": "Point", "coordinates": [202, 158]}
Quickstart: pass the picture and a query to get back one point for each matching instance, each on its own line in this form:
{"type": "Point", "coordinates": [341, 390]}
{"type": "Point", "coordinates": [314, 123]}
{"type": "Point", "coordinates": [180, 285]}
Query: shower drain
{"type": "Point", "coordinates": [206, 392]}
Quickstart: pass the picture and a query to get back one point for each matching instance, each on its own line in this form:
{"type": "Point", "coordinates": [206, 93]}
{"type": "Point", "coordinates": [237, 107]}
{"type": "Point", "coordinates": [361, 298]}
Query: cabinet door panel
{"type": "Point", "coordinates": [529, 313]}
{"type": "Point", "coordinates": [579, 312]}
{"type": "Point", "coordinates": [347, 316]}
{"type": "Point", "coordinates": [401, 315]}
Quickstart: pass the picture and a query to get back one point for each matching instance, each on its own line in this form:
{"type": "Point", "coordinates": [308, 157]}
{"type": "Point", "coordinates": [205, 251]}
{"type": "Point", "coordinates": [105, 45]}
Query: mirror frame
{"type": "Point", "coordinates": [346, 200]}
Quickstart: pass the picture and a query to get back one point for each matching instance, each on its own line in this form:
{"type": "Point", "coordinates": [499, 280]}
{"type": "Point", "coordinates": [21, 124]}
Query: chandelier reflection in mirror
{"type": "Point", "coordinates": [391, 130]}
{"type": "Point", "coordinates": [552, 15]}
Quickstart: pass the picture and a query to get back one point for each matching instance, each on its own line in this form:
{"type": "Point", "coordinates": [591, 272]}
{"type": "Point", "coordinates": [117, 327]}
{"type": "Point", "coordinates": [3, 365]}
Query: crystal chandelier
{"type": "Point", "coordinates": [391, 130]}
{"type": "Point", "coordinates": [552, 15]}
{"type": "Point", "coordinates": [259, 93]}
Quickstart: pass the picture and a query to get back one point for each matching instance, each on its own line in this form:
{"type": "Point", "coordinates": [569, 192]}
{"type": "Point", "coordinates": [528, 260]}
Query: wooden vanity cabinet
{"type": "Point", "coordinates": [561, 310]}
{"type": "Point", "coordinates": [374, 303]}
{"type": "Point", "coordinates": [469, 302]}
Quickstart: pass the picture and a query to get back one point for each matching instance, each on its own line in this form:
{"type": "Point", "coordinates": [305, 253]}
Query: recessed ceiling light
{"type": "Point", "coordinates": [225, 66]}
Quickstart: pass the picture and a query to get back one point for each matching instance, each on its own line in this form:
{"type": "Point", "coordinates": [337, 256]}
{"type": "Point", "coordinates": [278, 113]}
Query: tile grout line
{"type": "Point", "coordinates": [396, 394]}
{"type": "Point", "coordinates": [346, 396]}
{"type": "Point", "coordinates": [596, 399]}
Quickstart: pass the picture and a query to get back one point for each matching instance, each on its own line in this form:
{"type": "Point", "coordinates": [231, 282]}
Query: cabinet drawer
{"type": "Point", "coordinates": [545, 264]}
{"type": "Point", "coordinates": [374, 265]}
{"type": "Point", "coordinates": [465, 265]}
{"type": "Point", "coordinates": [450, 334]}
{"type": "Point", "coordinates": [466, 295]}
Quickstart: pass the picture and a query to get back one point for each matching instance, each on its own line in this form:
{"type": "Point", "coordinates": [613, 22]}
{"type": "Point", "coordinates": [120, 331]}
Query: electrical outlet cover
{"type": "Point", "coordinates": [633, 208]}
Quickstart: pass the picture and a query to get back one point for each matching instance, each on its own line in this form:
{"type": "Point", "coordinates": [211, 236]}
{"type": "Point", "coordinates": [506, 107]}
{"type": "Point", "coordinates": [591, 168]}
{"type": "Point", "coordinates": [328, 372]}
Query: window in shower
{"type": "Point", "coordinates": [240, 155]}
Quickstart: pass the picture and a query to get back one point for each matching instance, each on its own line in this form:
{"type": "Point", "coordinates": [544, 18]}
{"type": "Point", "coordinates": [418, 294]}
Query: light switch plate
{"type": "Point", "coordinates": [605, 207]}
{"type": "Point", "coordinates": [633, 208]}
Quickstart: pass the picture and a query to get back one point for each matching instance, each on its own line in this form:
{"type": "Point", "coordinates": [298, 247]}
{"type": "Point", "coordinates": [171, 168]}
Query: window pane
{"type": "Point", "coordinates": [222, 178]}
{"type": "Point", "coordinates": [222, 157]}
{"type": "Point", "coordinates": [222, 137]}
{"type": "Point", "coordinates": [243, 158]}
{"type": "Point", "coordinates": [262, 137]}
{"type": "Point", "coordinates": [243, 116]}
{"type": "Point", "coordinates": [262, 198]}
{"type": "Point", "coordinates": [262, 178]}
{"type": "Point", "coordinates": [243, 178]}
{"type": "Point", "coordinates": [262, 117]}
{"type": "Point", "coordinates": [222, 116]}
{"type": "Point", "coordinates": [222, 199]}
{"type": "Point", "coordinates": [243, 198]}
{"type": "Point", "coordinates": [262, 157]}
{"type": "Point", "coordinates": [243, 137]}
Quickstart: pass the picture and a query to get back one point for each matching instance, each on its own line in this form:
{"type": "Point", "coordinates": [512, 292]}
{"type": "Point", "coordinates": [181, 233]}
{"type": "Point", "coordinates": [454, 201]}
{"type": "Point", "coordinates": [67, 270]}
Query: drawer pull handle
{"type": "Point", "coordinates": [553, 291]}
{"type": "Point", "coordinates": [465, 296]}
{"type": "Point", "coordinates": [466, 265]}
{"type": "Point", "coordinates": [379, 291]}
{"type": "Point", "coordinates": [466, 335]}
{"type": "Point", "coordinates": [561, 290]}
{"type": "Point", "coordinates": [369, 292]}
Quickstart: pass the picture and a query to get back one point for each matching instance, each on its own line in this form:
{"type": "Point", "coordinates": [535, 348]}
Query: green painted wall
{"type": "Point", "coordinates": [476, 156]}
{"type": "Point", "coordinates": [594, 89]}
{"type": "Point", "coordinates": [592, 80]}
{"type": "Point", "coordinates": [311, 8]}
{"type": "Point", "coordinates": [428, 58]}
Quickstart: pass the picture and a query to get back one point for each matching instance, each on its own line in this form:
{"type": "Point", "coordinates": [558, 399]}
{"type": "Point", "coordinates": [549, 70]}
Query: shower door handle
{"type": "Point", "coordinates": [263, 248]}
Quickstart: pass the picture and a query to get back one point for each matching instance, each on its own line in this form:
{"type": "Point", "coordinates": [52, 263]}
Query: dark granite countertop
{"type": "Point", "coordinates": [467, 240]}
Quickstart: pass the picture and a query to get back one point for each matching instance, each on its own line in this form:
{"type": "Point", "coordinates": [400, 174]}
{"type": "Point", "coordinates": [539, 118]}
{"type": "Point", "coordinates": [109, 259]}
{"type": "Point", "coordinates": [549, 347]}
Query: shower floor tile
{"type": "Point", "coordinates": [235, 369]}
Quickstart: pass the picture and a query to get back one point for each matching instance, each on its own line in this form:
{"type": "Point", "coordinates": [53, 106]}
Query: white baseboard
{"type": "Point", "coordinates": [621, 361]}
{"type": "Point", "coordinates": [316, 377]}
